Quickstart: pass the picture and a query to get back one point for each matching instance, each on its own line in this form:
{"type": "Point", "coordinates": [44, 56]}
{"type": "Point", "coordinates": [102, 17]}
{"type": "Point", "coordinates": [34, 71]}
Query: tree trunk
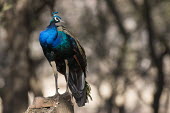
{"type": "Point", "coordinates": [56, 104]}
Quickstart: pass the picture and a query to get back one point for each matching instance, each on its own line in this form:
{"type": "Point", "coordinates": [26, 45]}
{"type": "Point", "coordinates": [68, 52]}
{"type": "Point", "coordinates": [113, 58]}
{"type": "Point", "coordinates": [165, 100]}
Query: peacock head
{"type": "Point", "coordinates": [56, 18]}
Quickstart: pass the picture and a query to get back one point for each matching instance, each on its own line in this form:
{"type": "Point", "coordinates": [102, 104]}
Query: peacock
{"type": "Point", "coordinates": [65, 55]}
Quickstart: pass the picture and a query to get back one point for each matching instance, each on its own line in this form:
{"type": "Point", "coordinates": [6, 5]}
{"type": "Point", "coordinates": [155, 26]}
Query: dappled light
{"type": "Point", "coordinates": [127, 46]}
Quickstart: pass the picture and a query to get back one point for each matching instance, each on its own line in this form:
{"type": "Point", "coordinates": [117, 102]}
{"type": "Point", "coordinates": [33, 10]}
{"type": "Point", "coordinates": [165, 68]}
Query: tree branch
{"type": "Point", "coordinates": [112, 6]}
{"type": "Point", "coordinates": [156, 60]}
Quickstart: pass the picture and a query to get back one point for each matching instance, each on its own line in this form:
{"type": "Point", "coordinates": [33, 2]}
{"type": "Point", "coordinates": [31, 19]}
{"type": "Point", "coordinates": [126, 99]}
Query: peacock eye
{"type": "Point", "coordinates": [56, 19]}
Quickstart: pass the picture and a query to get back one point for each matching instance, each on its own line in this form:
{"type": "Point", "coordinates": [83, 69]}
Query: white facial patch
{"type": "Point", "coordinates": [56, 19]}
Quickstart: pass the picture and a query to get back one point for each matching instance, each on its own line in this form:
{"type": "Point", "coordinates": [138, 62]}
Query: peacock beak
{"type": "Point", "coordinates": [62, 21]}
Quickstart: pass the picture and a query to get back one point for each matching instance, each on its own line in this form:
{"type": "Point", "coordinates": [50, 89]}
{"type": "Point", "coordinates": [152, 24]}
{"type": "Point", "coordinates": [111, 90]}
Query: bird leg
{"type": "Point", "coordinates": [53, 64]}
{"type": "Point", "coordinates": [67, 74]}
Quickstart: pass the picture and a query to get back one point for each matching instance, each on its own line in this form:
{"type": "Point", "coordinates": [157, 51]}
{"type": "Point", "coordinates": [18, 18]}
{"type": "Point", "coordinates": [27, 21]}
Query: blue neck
{"type": "Point", "coordinates": [52, 24]}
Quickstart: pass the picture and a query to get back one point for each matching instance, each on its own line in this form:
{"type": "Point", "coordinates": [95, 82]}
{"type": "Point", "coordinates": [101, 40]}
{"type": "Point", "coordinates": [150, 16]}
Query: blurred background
{"type": "Point", "coordinates": [127, 45]}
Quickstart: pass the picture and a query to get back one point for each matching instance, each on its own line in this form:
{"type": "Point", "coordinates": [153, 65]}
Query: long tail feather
{"type": "Point", "coordinates": [81, 89]}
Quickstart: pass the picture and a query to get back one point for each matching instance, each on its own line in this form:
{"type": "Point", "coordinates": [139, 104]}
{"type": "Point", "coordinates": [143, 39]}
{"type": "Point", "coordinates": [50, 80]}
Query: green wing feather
{"type": "Point", "coordinates": [82, 52]}
{"type": "Point", "coordinates": [88, 89]}
{"type": "Point", "coordinates": [80, 48]}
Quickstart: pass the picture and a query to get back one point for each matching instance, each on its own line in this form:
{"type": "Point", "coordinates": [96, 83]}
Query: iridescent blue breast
{"type": "Point", "coordinates": [58, 42]}
{"type": "Point", "coordinates": [47, 36]}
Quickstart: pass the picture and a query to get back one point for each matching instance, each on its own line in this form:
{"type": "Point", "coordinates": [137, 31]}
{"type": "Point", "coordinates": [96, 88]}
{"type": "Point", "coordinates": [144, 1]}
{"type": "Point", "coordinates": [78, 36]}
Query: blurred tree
{"type": "Point", "coordinates": [127, 45]}
{"type": "Point", "coordinates": [19, 21]}
{"type": "Point", "coordinates": [156, 57]}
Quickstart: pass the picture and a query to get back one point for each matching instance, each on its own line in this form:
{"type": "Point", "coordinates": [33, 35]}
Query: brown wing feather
{"type": "Point", "coordinates": [77, 83]}
{"type": "Point", "coordinates": [80, 48]}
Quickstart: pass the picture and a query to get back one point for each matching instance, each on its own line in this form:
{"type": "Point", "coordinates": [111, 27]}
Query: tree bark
{"type": "Point", "coordinates": [56, 104]}
{"type": "Point", "coordinates": [19, 22]}
{"type": "Point", "coordinates": [157, 59]}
